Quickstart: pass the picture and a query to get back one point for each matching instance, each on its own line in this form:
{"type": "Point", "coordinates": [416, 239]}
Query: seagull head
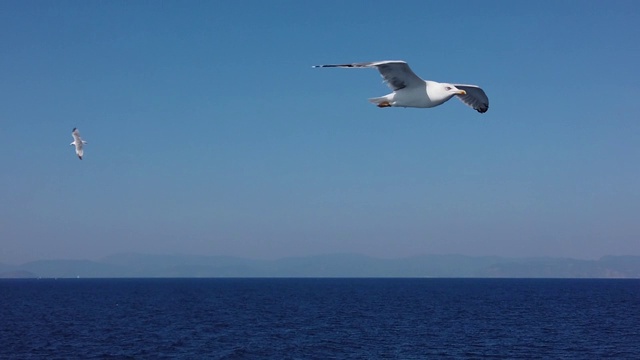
{"type": "Point", "coordinates": [453, 90]}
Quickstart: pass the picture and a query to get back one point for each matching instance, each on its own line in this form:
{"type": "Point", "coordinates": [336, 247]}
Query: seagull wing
{"type": "Point", "coordinates": [475, 97]}
{"type": "Point", "coordinates": [76, 135]}
{"type": "Point", "coordinates": [397, 74]}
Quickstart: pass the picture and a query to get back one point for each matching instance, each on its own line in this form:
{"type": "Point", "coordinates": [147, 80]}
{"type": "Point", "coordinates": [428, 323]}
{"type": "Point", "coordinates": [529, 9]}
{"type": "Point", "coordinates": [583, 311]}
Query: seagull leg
{"type": "Point", "coordinates": [384, 104]}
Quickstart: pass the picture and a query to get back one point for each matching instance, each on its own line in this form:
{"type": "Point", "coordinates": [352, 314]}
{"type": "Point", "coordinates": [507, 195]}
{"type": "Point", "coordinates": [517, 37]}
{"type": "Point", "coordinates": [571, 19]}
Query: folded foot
{"type": "Point", "coordinates": [384, 104]}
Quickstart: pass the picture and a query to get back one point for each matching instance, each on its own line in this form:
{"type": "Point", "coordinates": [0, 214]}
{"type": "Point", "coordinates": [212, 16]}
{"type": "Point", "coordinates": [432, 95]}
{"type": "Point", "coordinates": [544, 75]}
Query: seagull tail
{"type": "Point", "coordinates": [382, 101]}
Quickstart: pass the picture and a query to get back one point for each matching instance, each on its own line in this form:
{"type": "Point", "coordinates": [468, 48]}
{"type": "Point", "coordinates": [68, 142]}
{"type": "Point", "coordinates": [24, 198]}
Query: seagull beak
{"type": "Point", "coordinates": [462, 92]}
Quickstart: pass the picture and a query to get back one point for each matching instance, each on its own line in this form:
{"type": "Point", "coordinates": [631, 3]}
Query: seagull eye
{"type": "Point", "coordinates": [448, 88]}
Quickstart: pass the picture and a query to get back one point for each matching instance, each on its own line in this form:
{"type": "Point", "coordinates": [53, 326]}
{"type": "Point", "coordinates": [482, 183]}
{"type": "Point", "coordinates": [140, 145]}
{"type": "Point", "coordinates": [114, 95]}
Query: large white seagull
{"type": "Point", "coordinates": [409, 90]}
{"type": "Point", "coordinates": [78, 143]}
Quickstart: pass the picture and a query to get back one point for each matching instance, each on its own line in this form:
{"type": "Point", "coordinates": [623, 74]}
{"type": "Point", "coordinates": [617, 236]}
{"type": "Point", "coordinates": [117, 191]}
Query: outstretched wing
{"type": "Point", "coordinates": [475, 97]}
{"type": "Point", "coordinates": [76, 134]}
{"type": "Point", "coordinates": [396, 73]}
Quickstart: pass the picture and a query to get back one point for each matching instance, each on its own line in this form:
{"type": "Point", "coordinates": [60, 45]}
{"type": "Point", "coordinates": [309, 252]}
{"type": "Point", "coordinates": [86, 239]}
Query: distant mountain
{"type": "Point", "coordinates": [70, 268]}
{"type": "Point", "coordinates": [606, 267]}
{"type": "Point", "coordinates": [338, 265]}
{"type": "Point", "coordinates": [18, 274]}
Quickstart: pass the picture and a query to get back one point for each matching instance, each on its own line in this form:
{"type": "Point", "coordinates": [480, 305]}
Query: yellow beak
{"type": "Point", "coordinates": [462, 92]}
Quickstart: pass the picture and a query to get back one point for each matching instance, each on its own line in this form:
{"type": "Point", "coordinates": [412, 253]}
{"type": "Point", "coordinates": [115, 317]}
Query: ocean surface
{"type": "Point", "coordinates": [319, 319]}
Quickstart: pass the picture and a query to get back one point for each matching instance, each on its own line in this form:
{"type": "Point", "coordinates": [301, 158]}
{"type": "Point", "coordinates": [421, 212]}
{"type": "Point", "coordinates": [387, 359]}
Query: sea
{"type": "Point", "coordinates": [319, 318]}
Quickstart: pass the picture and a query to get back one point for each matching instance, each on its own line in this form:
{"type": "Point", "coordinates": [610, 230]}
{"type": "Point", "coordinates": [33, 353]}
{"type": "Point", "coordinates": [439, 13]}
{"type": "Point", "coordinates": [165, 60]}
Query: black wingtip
{"type": "Point", "coordinates": [74, 129]}
{"type": "Point", "coordinates": [483, 109]}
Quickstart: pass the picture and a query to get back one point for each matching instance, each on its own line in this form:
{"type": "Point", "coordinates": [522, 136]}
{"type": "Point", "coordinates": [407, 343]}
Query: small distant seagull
{"type": "Point", "coordinates": [409, 90]}
{"type": "Point", "coordinates": [78, 142]}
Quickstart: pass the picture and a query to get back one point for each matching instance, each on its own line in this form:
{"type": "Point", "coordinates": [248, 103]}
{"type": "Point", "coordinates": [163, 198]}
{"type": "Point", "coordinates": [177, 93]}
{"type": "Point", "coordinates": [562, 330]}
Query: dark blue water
{"type": "Point", "coordinates": [319, 319]}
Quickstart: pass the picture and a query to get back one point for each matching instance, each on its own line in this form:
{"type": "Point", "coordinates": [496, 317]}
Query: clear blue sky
{"type": "Point", "coordinates": [209, 132]}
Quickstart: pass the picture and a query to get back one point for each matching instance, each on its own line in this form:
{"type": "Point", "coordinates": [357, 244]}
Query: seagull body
{"type": "Point", "coordinates": [78, 142]}
{"type": "Point", "coordinates": [409, 90]}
